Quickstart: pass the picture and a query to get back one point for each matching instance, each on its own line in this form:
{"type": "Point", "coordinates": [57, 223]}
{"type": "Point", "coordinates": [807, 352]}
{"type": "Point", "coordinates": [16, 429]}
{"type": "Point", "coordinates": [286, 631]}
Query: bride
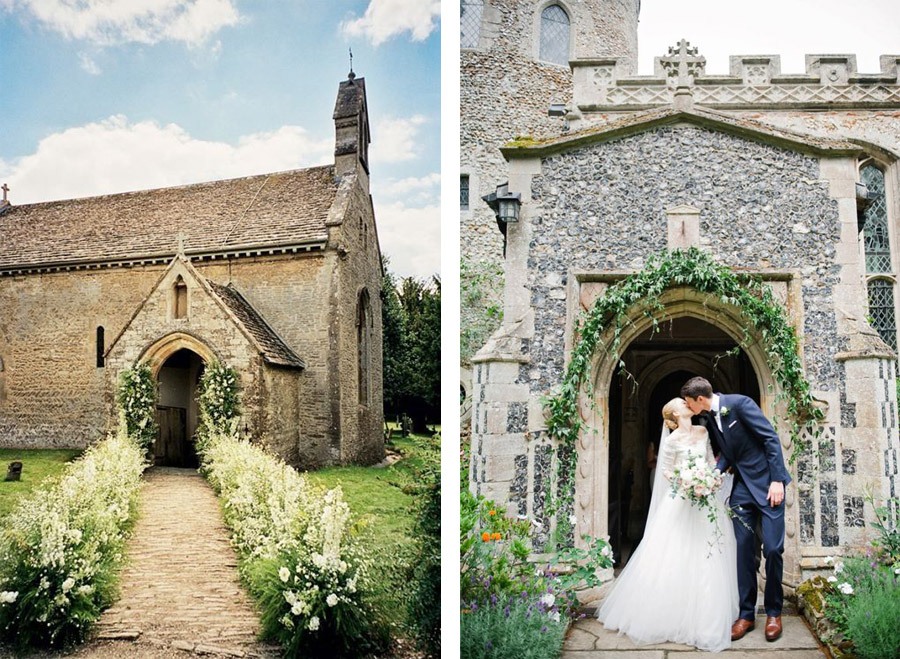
{"type": "Point", "coordinates": [681, 583]}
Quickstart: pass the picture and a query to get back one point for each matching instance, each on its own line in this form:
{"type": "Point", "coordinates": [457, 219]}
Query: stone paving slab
{"type": "Point", "coordinates": [588, 639]}
{"type": "Point", "coordinates": [180, 587]}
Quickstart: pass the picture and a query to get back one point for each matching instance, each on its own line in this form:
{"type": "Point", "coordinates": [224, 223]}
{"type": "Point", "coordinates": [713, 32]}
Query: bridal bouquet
{"type": "Point", "coordinates": [697, 481]}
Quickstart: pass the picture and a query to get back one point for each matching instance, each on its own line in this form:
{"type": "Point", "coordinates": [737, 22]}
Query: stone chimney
{"type": "Point", "coordinates": [351, 127]}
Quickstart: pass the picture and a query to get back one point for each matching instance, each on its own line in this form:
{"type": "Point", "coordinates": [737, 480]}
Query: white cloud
{"type": "Point", "coordinates": [110, 22]}
{"type": "Point", "coordinates": [411, 237]}
{"type": "Point", "coordinates": [418, 191]}
{"type": "Point", "coordinates": [88, 64]}
{"type": "Point", "coordinates": [386, 18]}
{"type": "Point", "coordinates": [396, 140]}
{"type": "Point", "coordinates": [115, 155]}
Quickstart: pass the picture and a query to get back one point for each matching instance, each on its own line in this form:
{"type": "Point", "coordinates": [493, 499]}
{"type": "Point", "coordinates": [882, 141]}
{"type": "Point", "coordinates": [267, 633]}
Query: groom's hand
{"type": "Point", "coordinates": [776, 493]}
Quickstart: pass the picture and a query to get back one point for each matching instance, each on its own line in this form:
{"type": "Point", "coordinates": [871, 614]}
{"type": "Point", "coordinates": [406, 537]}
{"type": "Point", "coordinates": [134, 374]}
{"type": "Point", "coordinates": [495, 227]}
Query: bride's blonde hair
{"type": "Point", "coordinates": [670, 418]}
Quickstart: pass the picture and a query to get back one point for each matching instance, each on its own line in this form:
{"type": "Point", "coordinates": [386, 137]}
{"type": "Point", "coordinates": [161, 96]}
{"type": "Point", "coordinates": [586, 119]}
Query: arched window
{"type": "Point", "coordinates": [470, 12]}
{"type": "Point", "coordinates": [364, 345]}
{"type": "Point", "coordinates": [881, 310]}
{"type": "Point", "coordinates": [875, 229]}
{"type": "Point", "coordinates": [877, 244]}
{"type": "Point", "coordinates": [554, 35]}
{"type": "Point", "coordinates": [180, 309]}
{"type": "Point", "coordinates": [101, 347]}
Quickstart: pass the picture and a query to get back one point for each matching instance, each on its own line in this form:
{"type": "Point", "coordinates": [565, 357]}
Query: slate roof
{"type": "Point", "coordinates": [284, 208]}
{"type": "Point", "coordinates": [273, 349]}
{"type": "Point", "coordinates": [350, 98]}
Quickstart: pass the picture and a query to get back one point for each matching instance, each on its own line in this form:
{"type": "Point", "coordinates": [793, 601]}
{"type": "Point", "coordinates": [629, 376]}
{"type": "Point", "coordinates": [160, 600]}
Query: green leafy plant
{"type": "Point", "coordinates": [604, 325]}
{"type": "Point", "coordinates": [136, 398]}
{"type": "Point", "coordinates": [517, 628]}
{"type": "Point", "coordinates": [481, 303]}
{"type": "Point", "coordinates": [425, 575]}
{"type": "Point", "coordinates": [218, 400]}
{"type": "Point", "coordinates": [61, 548]}
{"type": "Point", "coordinates": [298, 551]}
{"type": "Point", "coordinates": [871, 620]}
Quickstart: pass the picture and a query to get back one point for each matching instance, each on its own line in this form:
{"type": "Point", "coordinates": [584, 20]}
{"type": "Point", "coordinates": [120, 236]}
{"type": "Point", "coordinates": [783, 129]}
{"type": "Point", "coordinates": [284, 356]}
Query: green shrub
{"type": "Point", "coordinates": [424, 605]}
{"type": "Point", "coordinates": [136, 398]}
{"type": "Point", "coordinates": [219, 400]}
{"type": "Point", "coordinates": [61, 549]}
{"type": "Point", "coordinates": [516, 628]}
{"type": "Point", "coordinates": [872, 618]}
{"type": "Point", "coordinates": [298, 552]}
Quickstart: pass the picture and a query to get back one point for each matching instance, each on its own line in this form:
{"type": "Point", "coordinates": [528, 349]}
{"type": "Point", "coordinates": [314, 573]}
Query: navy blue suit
{"type": "Point", "coordinates": [751, 447]}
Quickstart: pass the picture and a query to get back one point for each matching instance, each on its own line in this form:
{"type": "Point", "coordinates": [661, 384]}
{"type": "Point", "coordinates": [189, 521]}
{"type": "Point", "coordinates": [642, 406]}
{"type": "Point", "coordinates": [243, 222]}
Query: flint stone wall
{"type": "Point", "coordinates": [604, 208]}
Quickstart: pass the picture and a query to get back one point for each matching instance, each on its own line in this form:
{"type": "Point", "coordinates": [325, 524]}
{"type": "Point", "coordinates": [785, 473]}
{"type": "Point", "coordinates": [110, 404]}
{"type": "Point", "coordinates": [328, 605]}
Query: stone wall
{"type": "Point", "coordinates": [604, 207]}
{"type": "Point", "coordinates": [54, 389]}
{"type": "Point", "coordinates": [505, 92]}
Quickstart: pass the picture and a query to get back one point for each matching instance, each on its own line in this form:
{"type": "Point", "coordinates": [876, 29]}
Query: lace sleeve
{"type": "Point", "coordinates": [710, 458]}
{"type": "Point", "coordinates": [665, 462]}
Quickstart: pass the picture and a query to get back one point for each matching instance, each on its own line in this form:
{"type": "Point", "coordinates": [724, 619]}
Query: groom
{"type": "Point", "coordinates": [750, 447]}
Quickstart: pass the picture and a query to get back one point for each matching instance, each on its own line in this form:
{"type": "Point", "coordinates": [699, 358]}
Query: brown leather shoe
{"type": "Point", "coordinates": [740, 627]}
{"type": "Point", "coordinates": [773, 628]}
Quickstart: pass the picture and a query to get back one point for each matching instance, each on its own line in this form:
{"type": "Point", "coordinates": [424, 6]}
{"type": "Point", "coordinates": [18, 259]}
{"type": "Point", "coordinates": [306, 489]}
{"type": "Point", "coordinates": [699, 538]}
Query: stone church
{"type": "Point", "coordinates": [276, 275]}
{"type": "Point", "coordinates": [791, 176]}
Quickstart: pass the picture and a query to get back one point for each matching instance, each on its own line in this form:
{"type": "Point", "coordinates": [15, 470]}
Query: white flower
{"type": "Point", "coordinates": [554, 616]}
{"type": "Point", "coordinates": [838, 568]}
{"type": "Point", "coordinates": [313, 623]}
{"type": "Point", "coordinates": [897, 570]}
{"type": "Point", "coordinates": [297, 609]}
{"type": "Point", "coordinates": [8, 596]}
{"type": "Point", "coordinates": [284, 574]}
{"type": "Point", "coordinates": [331, 600]}
{"type": "Point", "coordinates": [548, 599]}
{"type": "Point", "coordinates": [606, 551]}
{"type": "Point", "coordinates": [832, 579]}
{"type": "Point", "coordinates": [68, 584]}
{"type": "Point", "coordinates": [572, 519]}
{"type": "Point", "coordinates": [846, 588]}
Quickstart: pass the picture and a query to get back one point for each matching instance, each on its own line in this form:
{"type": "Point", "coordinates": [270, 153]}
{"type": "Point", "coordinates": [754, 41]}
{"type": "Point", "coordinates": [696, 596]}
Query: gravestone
{"type": "Point", "coordinates": [14, 471]}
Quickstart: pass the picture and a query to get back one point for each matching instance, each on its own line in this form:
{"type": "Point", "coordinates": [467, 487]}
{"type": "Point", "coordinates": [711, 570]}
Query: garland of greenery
{"type": "Point", "coordinates": [136, 397]}
{"type": "Point", "coordinates": [641, 292]}
{"type": "Point", "coordinates": [219, 400]}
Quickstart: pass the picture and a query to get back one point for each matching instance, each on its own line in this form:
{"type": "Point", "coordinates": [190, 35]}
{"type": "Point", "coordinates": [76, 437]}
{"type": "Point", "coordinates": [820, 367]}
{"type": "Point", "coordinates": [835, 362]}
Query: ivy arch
{"type": "Point", "coordinates": [756, 321]}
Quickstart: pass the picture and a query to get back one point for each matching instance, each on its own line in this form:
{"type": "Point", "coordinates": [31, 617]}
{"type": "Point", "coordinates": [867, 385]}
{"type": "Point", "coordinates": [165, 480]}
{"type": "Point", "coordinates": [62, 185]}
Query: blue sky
{"type": "Point", "coordinates": [100, 97]}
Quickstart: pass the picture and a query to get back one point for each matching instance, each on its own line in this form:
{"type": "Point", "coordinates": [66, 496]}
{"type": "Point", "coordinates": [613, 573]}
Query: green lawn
{"type": "Point", "coordinates": [37, 466]}
{"type": "Point", "coordinates": [381, 499]}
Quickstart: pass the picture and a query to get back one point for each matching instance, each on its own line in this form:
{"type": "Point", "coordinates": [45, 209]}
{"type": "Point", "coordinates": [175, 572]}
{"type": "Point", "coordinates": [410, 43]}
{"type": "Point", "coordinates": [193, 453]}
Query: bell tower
{"type": "Point", "coordinates": [351, 127]}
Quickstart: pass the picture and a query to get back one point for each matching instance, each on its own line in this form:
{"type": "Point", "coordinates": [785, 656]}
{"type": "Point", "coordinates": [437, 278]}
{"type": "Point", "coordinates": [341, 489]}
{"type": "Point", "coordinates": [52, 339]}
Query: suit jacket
{"type": "Point", "coordinates": [751, 446]}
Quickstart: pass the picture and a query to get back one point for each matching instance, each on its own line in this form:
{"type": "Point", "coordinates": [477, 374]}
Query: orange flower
{"type": "Point", "coordinates": [496, 536]}
{"type": "Point", "coordinates": [486, 537]}
{"type": "Point", "coordinates": [492, 512]}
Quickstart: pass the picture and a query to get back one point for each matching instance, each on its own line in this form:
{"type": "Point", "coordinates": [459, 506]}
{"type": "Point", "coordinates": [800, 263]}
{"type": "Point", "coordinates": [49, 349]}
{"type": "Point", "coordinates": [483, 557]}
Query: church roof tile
{"type": "Point", "coordinates": [284, 208]}
{"type": "Point", "coordinates": [274, 349]}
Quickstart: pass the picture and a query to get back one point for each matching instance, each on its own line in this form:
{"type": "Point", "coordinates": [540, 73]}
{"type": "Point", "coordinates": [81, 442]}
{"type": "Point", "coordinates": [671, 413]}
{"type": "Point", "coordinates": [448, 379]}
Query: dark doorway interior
{"type": "Point", "coordinates": [656, 366]}
{"type": "Point", "coordinates": [177, 411]}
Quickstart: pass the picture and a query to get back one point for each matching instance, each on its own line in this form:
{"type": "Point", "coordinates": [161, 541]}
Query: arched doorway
{"type": "Point", "coordinates": [177, 410]}
{"type": "Point", "coordinates": [656, 365]}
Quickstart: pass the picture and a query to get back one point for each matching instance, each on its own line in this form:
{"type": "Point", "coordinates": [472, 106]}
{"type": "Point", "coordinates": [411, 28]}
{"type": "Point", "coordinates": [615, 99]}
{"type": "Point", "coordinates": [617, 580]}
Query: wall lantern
{"type": "Point", "coordinates": [504, 204]}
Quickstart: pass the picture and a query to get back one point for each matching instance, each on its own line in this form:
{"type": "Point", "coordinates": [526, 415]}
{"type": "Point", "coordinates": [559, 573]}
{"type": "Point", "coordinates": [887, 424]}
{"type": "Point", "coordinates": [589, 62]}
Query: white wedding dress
{"type": "Point", "coordinates": [681, 582]}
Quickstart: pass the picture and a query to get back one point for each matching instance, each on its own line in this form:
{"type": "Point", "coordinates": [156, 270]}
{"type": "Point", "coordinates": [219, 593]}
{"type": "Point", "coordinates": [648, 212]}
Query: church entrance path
{"type": "Point", "coordinates": [179, 588]}
{"type": "Point", "coordinates": [588, 639]}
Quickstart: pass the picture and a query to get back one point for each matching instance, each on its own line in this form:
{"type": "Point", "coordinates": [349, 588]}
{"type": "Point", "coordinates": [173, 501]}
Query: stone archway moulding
{"type": "Point", "coordinates": [158, 352]}
{"type": "Point", "coordinates": [592, 465]}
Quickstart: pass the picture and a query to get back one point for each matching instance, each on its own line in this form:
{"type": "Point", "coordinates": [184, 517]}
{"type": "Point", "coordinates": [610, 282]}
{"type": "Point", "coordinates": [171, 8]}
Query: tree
{"type": "Point", "coordinates": [411, 318]}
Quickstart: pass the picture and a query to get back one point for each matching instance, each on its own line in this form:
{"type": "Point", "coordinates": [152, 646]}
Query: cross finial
{"type": "Point", "coordinates": [351, 75]}
{"type": "Point", "coordinates": [5, 189]}
{"type": "Point", "coordinates": [684, 63]}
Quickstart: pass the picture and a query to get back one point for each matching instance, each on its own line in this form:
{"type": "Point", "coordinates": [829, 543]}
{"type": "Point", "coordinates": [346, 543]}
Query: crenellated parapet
{"type": "Point", "coordinates": [753, 82]}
